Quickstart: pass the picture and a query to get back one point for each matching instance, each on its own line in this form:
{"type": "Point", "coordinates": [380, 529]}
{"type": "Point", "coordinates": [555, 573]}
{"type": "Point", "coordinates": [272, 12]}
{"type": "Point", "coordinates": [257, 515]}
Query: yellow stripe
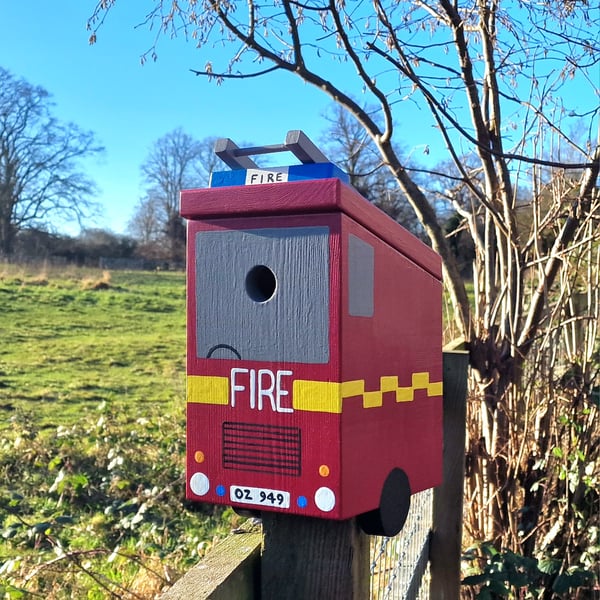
{"type": "Point", "coordinates": [435, 389]}
{"type": "Point", "coordinates": [388, 384]}
{"type": "Point", "coordinates": [420, 381]}
{"type": "Point", "coordinates": [208, 390]}
{"type": "Point", "coordinates": [405, 394]}
{"type": "Point", "coordinates": [372, 399]}
{"type": "Point", "coordinates": [353, 388]}
{"type": "Point", "coordinates": [317, 396]}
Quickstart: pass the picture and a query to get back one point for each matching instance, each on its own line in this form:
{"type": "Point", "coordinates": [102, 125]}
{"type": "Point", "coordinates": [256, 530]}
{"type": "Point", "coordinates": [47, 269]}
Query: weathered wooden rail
{"type": "Point", "coordinates": [296, 558]}
{"type": "Point", "coordinates": [230, 571]}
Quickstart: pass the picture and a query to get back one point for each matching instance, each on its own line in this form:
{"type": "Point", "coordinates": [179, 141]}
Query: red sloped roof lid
{"type": "Point", "coordinates": [304, 197]}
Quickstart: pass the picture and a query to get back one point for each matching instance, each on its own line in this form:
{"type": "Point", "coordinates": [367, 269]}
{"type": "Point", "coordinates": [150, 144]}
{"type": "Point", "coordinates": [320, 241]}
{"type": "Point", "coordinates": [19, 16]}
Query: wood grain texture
{"type": "Point", "coordinates": [448, 498]}
{"type": "Point", "coordinates": [288, 322]}
{"type": "Point", "coordinates": [309, 559]}
{"type": "Point", "coordinates": [231, 571]}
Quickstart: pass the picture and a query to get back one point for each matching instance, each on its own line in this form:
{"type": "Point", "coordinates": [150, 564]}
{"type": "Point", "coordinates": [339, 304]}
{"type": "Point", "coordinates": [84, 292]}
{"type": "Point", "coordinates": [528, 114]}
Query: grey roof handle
{"type": "Point", "coordinates": [296, 142]}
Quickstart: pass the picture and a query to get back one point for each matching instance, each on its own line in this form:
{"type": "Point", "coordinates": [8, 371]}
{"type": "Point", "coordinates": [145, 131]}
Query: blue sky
{"type": "Point", "coordinates": [104, 88]}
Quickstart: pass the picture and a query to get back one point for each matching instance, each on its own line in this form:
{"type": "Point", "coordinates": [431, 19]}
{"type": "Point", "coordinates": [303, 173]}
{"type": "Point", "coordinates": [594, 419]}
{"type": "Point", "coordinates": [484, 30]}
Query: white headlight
{"type": "Point", "coordinates": [199, 484]}
{"type": "Point", "coordinates": [325, 499]}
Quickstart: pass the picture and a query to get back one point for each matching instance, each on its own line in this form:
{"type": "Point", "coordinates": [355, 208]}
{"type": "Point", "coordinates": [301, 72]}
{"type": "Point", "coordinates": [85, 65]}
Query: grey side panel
{"type": "Point", "coordinates": [361, 277]}
{"type": "Point", "coordinates": [293, 324]}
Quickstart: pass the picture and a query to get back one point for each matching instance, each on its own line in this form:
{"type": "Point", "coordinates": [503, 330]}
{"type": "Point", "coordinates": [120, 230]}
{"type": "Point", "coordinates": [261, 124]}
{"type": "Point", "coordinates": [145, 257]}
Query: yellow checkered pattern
{"type": "Point", "coordinates": [318, 396]}
{"type": "Point", "coordinates": [325, 396]}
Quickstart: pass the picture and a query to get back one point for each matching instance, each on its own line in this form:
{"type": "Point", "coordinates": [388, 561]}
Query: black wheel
{"type": "Point", "coordinates": [394, 503]}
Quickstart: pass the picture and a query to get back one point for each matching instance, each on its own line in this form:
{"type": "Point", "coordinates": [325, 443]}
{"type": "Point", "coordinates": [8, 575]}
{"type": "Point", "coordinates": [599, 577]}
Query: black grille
{"type": "Point", "coordinates": [266, 448]}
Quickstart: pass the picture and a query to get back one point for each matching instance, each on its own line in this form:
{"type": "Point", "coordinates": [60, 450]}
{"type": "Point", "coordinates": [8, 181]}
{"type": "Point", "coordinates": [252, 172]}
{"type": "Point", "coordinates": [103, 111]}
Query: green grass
{"type": "Point", "coordinates": [69, 346]}
{"type": "Point", "coordinates": [92, 435]}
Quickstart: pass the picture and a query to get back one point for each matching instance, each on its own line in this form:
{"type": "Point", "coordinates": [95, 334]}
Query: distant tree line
{"type": "Point", "coordinates": [88, 248]}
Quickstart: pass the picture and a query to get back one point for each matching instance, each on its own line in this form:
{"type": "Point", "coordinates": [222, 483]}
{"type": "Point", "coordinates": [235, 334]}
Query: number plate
{"type": "Point", "coordinates": [259, 496]}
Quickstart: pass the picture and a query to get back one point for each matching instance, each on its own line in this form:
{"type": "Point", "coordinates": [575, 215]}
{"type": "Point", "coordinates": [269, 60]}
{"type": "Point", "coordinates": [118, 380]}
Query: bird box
{"type": "Point", "coordinates": [314, 353]}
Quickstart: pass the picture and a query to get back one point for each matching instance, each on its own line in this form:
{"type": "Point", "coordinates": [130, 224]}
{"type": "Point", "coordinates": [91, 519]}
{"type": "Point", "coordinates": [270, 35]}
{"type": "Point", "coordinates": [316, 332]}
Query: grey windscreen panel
{"type": "Point", "coordinates": [263, 294]}
{"type": "Point", "coordinates": [361, 277]}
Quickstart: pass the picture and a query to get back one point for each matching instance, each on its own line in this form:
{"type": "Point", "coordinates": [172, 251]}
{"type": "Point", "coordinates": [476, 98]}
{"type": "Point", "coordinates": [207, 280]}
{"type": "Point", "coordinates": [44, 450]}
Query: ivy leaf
{"type": "Point", "coordinates": [65, 520]}
{"type": "Point", "coordinates": [475, 579]}
{"type": "Point", "coordinates": [566, 581]}
{"type": "Point", "coordinates": [549, 565]}
{"type": "Point", "coordinates": [43, 527]}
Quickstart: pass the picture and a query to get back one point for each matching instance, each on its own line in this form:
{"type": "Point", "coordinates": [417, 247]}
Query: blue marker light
{"type": "Point", "coordinates": [277, 175]}
{"type": "Point", "coordinates": [220, 489]}
{"type": "Point", "coordinates": [302, 502]}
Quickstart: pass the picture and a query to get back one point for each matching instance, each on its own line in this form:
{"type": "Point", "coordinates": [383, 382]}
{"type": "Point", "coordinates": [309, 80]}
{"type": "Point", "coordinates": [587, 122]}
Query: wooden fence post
{"type": "Point", "coordinates": [445, 552]}
{"type": "Point", "coordinates": [307, 558]}
{"type": "Point", "coordinates": [230, 571]}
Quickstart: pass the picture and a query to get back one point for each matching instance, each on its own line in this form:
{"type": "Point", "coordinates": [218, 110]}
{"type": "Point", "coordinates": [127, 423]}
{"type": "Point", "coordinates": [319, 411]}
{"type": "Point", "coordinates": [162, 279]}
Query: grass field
{"type": "Point", "coordinates": [92, 380]}
{"type": "Point", "coordinates": [73, 341]}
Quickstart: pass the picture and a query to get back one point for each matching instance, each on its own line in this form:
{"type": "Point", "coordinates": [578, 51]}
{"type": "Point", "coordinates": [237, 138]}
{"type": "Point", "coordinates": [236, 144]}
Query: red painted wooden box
{"type": "Point", "coordinates": [314, 361]}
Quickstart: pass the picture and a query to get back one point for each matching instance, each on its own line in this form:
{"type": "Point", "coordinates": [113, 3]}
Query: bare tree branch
{"type": "Point", "coordinates": [218, 76]}
{"type": "Point", "coordinates": [40, 174]}
{"type": "Point", "coordinates": [579, 210]}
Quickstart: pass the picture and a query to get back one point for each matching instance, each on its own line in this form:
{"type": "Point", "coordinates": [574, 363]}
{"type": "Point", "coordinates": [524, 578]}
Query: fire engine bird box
{"type": "Point", "coordinates": [314, 362]}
